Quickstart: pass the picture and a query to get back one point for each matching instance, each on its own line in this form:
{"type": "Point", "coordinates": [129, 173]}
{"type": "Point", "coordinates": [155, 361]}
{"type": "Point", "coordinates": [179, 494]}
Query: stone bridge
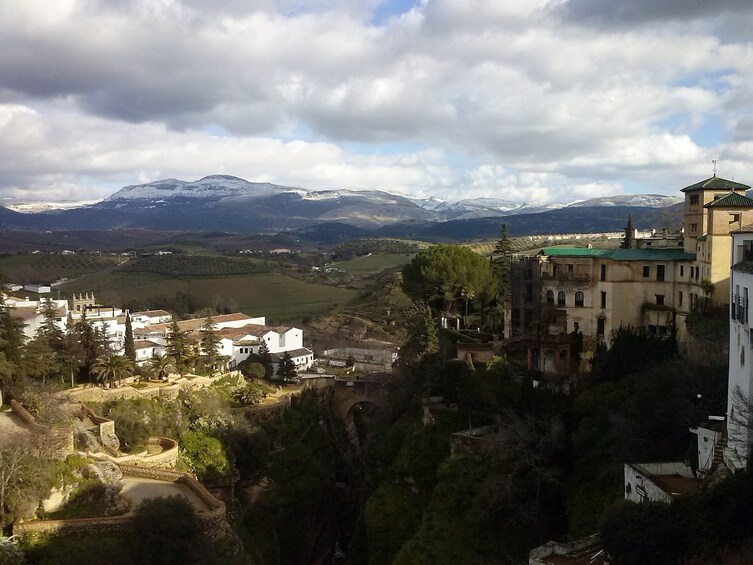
{"type": "Point", "coordinates": [350, 392]}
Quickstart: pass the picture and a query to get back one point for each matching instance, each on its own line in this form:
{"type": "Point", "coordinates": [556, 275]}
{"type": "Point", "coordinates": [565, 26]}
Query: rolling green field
{"type": "Point", "coordinates": [277, 296]}
{"type": "Point", "coordinates": [374, 263]}
{"type": "Point", "coordinates": [43, 268]}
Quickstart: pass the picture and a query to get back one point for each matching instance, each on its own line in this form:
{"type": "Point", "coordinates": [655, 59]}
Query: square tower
{"type": "Point", "coordinates": [695, 219]}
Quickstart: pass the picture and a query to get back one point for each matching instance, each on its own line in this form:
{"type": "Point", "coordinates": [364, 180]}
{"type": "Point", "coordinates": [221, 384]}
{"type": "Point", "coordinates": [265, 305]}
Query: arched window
{"type": "Point", "coordinates": [579, 298]}
{"type": "Point", "coordinates": [561, 298]}
{"type": "Point", "coordinates": [550, 297]}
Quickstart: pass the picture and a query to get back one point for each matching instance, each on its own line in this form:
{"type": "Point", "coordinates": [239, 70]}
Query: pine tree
{"type": "Point", "coordinates": [209, 342]}
{"type": "Point", "coordinates": [73, 354]}
{"type": "Point", "coordinates": [40, 359]}
{"type": "Point", "coordinates": [286, 369]}
{"type": "Point", "coordinates": [265, 358]}
{"type": "Point", "coordinates": [628, 241]}
{"type": "Point", "coordinates": [178, 348]}
{"type": "Point", "coordinates": [91, 344]}
{"type": "Point", "coordinates": [11, 334]}
{"type": "Point", "coordinates": [50, 327]}
{"type": "Point", "coordinates": [128, 346]}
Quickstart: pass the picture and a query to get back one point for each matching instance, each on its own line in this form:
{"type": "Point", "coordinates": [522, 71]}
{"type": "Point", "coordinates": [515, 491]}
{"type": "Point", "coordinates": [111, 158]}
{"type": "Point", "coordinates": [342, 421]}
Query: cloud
{"type": "Point", "coordinates": [619, 12]}
{"type": "Point", "coordinates": [543, 99]}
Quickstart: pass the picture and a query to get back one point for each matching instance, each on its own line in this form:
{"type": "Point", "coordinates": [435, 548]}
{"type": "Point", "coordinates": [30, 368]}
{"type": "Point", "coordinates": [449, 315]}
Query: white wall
{"type": "Point", "coordinates": [639, 486]}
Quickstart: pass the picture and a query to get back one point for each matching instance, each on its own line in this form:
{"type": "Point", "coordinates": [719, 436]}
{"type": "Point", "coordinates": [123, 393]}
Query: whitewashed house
{"type": "Point", "coordinates": [146, 349]}
{"type": "Point", "coordinates": [740, 383]}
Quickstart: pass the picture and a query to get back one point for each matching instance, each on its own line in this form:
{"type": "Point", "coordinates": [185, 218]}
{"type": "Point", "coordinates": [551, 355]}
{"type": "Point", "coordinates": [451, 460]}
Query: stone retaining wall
{"type": "Point", "coordinates": [98, 394]}
{"type": "Point", "coordinates": [167, 458]}
{"type": "Point", "coordinates": [212, 521]}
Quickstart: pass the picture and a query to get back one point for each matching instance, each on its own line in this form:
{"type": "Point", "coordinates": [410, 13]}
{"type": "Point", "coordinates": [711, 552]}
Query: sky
{"type": "Point", "coordinates": [530, 101]}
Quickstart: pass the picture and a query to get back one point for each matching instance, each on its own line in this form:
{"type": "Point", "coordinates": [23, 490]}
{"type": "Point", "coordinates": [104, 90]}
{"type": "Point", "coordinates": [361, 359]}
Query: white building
{"type": "Point", "coordinates": [659, 482]}
{"type": "Point", "coordinates": [238, 343]}
{"type": "Point", "coordinates": [146, 349]}
{"type": "Point", "coordinates": [740, 384]}
{"type": "Point", "coordinates": [31, 312]}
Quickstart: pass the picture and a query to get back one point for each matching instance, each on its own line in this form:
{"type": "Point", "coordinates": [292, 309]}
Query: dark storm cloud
{"type": "Point", "coordinates": [620, 12]}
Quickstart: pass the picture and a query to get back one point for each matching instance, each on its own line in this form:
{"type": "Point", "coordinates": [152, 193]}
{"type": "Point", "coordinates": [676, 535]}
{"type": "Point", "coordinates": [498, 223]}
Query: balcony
{"type": "Point", "coordinates": [739, 309]}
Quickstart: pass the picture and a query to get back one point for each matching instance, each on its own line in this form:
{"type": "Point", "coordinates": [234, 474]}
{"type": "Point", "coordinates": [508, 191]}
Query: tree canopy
{"type": "Point", "coordinates": [443, 274]}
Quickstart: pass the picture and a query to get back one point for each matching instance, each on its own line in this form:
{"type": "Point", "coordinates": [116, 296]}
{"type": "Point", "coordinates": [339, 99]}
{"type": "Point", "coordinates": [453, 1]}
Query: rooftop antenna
{"type": "Point", "coordinates": [713, 162]}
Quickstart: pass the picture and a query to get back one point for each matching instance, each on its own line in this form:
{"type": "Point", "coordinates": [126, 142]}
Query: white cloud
{"type": "Point", "coordinates": [518, 96]}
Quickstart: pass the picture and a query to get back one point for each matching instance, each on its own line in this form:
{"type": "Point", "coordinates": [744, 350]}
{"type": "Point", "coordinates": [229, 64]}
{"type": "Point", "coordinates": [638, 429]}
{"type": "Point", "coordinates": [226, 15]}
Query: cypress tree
{"type": "Point", "coordinates": [128, 345]}
{"type": "Point", "coordinates": [628, 241]}
{"type": "Point", "coordinates": [500, 261]}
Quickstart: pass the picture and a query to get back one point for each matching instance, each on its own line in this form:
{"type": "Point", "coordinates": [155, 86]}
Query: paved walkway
{"type": "Point", "coordinates": [136, 490]}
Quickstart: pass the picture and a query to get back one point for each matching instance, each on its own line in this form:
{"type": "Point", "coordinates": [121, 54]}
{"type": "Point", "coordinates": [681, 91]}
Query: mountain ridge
{"type": "Point", "coordinates": [232, 203]}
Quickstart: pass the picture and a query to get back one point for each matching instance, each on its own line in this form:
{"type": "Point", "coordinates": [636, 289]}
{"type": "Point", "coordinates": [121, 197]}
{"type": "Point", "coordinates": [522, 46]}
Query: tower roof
{"type": "Point", "coordinates": [731, 200]}
{"type": "Point", "coordinates": [716, 183]}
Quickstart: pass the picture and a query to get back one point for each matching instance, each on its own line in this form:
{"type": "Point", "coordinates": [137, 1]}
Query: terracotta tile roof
{"type": "Point", "coordinates": [151, 313]}
{"type": "Point", "coordinates": [145, 344]}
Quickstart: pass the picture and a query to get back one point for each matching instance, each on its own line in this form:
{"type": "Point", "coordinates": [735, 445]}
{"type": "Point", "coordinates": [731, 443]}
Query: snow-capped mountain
{"type": "Point", "coordinates": [211, 187]}
{"type": "Point", "coordinates": [640, 200]}
{"type": "Point", "coordinates": [221, 202]}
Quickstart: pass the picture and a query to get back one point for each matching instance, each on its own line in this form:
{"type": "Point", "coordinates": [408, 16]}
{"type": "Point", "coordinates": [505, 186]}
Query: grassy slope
{"type": "Point", "coordinates": [47, 268]}
{"type": "Point", "coordinates": [374, 263]}
{"type": "Point", "coordinates": [273, 295]}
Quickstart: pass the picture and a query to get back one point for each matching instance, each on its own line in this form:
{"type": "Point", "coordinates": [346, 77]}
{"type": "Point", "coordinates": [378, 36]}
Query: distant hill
{"type": "Point", "coordinates": [232, 204]}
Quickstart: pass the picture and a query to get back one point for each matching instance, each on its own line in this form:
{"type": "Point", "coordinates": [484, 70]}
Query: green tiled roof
{"type": "Point", "coordinates": [653, 254]}
{"type": "Point", "coordinates": [716, 183]}
{"type": "Point", "coordinates": [648, 254]}
{"type": "Point", "coordinates": [731, 200]}
{"type": "Point", "coordinates": [574, 252]}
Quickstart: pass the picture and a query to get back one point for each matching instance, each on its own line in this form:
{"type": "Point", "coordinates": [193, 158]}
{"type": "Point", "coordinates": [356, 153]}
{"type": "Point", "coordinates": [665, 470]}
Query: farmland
{"type": "Point", "coordinates": [374, 263]}
{"type": "Point", "coordinates": [41, 267]}
{"type": "Point", "coordinates": [275, 295]}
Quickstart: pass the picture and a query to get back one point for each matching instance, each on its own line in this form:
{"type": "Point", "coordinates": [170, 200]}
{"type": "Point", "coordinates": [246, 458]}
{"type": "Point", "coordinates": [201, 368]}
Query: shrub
{"type": "Point", "coordinates": [205, 455]}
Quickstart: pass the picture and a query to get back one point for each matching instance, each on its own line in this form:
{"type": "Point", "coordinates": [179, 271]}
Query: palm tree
{"type": "Point", "coordinates": [161, 366]}
{"type": "Point", "coordinates": [112, 366]}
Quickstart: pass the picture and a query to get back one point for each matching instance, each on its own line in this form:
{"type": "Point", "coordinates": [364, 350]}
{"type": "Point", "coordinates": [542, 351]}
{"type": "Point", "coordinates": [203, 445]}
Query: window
{"type": "Point", "coordinates": [600, 322]}
{"type": "Point", "coordinates": [646, 271]}
{"type": "Point", "coordinates": [579, 298]}
{"type": "Point", "coordinates": [569, 268]}
{"type": "Point", "coordinates": [603, 272]}
{"type": "Point", "coordinates": [603, 299]}
{"type": "Point", "coordinates": [652, 329]}
{"type": "Point", "coordinates": [734, 218]}
{"type": "Point", "coordinates": [679, 299]}
{"type": "Point", "coordinates": [693, 228]}
{"type": "Point", "coordinates": [662, 330]}
{"type": "Point", "coordinates": [576, 326]}
{"type": "Point", "coordinates": [550, 297]}
{"type": "Point", "coordinates": [561, 298]}
{"type": "Point", "coordinates": [660, 272]}
{"type": "Point", "coordinates": [659, 300]}
{"type": "Point", "coordinates": [694, 199]}
{"type": "Point", "coordinates": [748, 250]}
{"type": "Point", "coordinates": [682, 270]}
